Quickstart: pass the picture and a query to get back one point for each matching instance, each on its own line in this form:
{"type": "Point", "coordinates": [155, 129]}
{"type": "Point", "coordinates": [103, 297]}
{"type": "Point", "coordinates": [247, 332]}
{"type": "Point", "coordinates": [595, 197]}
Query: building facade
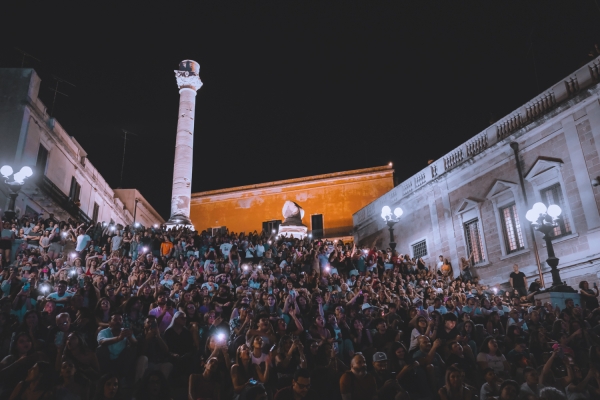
{"type": "Point", "coordinates": [64, 182]}
{"type": "Point", "coordinates": [328, 201]}
{"type": "Point", "coordinates": [471, 200]}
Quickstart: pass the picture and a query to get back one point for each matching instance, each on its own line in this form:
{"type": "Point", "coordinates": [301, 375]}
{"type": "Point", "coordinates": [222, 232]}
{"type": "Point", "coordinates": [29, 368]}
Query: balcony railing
{"type": "Point", "coordinates": [585, 77]}
{"type": "Point", "coordinates": [62, 200]}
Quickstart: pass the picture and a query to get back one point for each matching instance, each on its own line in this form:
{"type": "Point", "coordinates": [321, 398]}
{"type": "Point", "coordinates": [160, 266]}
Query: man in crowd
{"type": "Point", "coordinates": [300, 388]}
{"type": "Point", "coordinates": [163, 312]}
{"type": "Point", "coordinates": [358, 384]}
{"type": "Point", "coordinates": [518, 281]}
{"type": "Point", "coordinates": [115, 352]}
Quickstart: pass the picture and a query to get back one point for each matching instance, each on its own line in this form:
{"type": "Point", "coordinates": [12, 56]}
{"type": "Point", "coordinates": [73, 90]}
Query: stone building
{"type": "Point", "coordinates": [471, 200]}
{"type": "Point", "coordinates": [328, 201]}
{"type": "Point", "coordinates": [64, 181]}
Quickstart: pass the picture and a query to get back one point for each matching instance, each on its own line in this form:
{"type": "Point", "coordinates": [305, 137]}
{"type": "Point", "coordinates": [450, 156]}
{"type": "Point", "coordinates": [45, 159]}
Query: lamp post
{"type": "Point", "coordinates": [391, 219]}
{"type": "Point", "coordinates": [545, 219]}
{"type": "Point", "coordinates": [14, 186]}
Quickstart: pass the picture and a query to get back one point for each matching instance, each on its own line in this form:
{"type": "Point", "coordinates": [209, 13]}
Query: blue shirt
{"type": "Point", "coordinates": [114, 350]}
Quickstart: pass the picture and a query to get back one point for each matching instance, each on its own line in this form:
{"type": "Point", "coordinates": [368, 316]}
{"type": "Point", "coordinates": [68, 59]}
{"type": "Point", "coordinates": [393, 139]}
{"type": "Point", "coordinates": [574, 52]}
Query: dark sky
{"type": "Point", "coordinates": [292, 88]}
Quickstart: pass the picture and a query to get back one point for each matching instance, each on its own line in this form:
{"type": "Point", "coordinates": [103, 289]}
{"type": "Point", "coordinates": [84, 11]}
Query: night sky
{"type": "Point", "coordinates": [291, 88]}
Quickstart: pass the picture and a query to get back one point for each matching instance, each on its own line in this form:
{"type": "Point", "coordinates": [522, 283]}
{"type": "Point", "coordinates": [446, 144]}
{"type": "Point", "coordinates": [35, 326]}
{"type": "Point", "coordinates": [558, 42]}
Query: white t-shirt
{"type": "Point", "coordinates": [82, 242]}
{"type": "Point", "coordinates": [260, 250]}
{"type": "Point", "coordinates": [225, 247]}
{"type": "Point", "coordinates": [414, 343]}
{"type": "Point", "coordinates": [494, 362]}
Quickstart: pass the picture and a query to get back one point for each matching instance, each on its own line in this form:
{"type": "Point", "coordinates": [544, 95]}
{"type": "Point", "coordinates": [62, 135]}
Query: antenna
{"type": "Point", "coordinates": [125, 133]}
{"type": "Point", "coordinates": [25, 55]}
{"type": "Point", "coordinates": [55, 90]}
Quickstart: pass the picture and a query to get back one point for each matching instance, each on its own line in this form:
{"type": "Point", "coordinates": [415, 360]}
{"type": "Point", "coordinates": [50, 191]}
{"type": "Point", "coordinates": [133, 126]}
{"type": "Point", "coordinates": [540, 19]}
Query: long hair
{"type": "Point", "coordinates": [246, 373]}
{"type": "Point", "coordinates": [100, 387]}
{"type": "Point", "coordinates": [395, 346]}
{"type": "Point", "coordinates": [485, 349]}
{"type": "Point", "coordinates": [98, 311]}
{"type": "Point", "coordinates": [23, 326]}
{"type": "Point", "coordinates": [163, 392]}
{"type": "Point", "coordinates": [83, 347]}
{"type": "Point", "coordinates": [46, 377]}
{"type": "Point", "coordinates": [13, 344]}
{"type": "Point", "coordinates": [130, 303]}
{"type": "Point", "coordinates": [453, 369]}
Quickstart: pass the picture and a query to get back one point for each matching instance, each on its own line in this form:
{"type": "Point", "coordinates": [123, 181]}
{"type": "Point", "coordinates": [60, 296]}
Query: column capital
{"type": "Point", "coordinates": [188, 75]}
{"type": "Point", "coordinates": [188, 80]}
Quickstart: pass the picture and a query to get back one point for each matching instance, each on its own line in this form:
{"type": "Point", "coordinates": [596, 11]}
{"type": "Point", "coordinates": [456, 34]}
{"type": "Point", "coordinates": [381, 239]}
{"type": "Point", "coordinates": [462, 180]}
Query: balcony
{"type": "Point", "coordinates": [62, 200]}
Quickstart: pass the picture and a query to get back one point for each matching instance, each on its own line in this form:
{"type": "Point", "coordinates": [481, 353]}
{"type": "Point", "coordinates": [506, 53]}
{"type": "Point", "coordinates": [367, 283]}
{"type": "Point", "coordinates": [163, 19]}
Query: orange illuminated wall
{"type": "Point", "coordinates": [336, 196]}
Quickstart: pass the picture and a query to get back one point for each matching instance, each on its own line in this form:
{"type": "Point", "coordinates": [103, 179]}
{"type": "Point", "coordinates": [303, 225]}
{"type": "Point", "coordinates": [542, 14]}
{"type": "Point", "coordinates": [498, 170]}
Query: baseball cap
{"type": "Point", "coordinates": [379, 356]}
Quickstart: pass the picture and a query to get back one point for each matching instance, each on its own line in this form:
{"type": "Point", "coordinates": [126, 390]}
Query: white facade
{"type": "Point", "coordinates": [471, 199]}
{"type": "Point", "coordinates": [65, 183]}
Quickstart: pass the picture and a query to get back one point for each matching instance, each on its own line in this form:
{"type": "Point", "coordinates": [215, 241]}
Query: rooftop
{"type": "Point", "coordinates": [315, 178]}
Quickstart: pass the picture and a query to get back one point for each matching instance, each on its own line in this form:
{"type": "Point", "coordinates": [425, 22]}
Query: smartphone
{"type": "Point", "coordinates": [58, 339]}
{"type": "Point", "coordinates": [253, 381]}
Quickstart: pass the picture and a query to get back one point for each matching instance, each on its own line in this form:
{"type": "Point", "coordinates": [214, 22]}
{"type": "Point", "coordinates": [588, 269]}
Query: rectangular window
{"type": "Point", "coordinates": [270, 226]}
{"type": "Point", "coordinates": [42, 160]}
{"type": "Point", "coordinates": [511, 228]}
{"type": "Point", "coordinates": [75, 190]}
{"type": "Point", "coordinates": [316, 225]}
{"type": "Point", "coordinates": [96, 212]}
{"type": "Point", "coordinates": [419, 249]}
{"type": "Point", "coordinates": [474, 242]}
{"type": "Point", "coordinates": [554, 195]}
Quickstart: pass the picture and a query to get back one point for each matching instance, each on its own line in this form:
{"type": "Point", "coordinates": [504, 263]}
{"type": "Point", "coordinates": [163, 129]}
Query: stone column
{"type": "Point", "coordinates": [188, 81]}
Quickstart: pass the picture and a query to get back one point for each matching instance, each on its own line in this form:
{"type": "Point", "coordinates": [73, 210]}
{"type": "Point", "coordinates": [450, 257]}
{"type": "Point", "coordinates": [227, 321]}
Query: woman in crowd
{"type": "Point", "coordinates": [455, 387]}
{"type": "Point", "coordinates": [38, 385]}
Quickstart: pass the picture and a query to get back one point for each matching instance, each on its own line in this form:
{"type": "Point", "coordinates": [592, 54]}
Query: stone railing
{"type": "Point", "coordinates": [573, 84]}
{"type": "Point", "coordinates": [509, 125]}
{"type": "Point", "coordinates": [540, 105]}
{"type": "Point", "coordinates": [407, 187]}
{"type": "Point", "coordinates": [453, 159]}
{"type": "Point", "coordinates": [420, 179]}
{"type": "Point", "coordinates": [477, 145]}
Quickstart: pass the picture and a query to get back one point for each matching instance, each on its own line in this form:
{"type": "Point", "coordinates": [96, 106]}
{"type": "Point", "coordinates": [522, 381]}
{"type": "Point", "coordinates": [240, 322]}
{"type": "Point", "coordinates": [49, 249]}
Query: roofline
{"type": "Point", "coordinates": [343, 174]}
{"type": "Point", "coordinates": [139, 195]}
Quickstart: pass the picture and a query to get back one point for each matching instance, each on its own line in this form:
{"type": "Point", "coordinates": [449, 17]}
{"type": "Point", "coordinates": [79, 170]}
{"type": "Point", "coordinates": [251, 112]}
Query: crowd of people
{"type": "Point", "coordinates": [106, 311]}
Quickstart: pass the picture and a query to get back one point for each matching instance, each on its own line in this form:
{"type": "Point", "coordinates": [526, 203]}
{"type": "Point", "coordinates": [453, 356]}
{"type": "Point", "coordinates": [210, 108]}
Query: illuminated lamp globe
{"type": "Point", "coordinates": [398, 212]}
{"type": "Point", "coordinates": [6, 171]}
{"type": "Point", "coordinates": [554, 211]}
{"type": "Point", "coordinates": [531, 216]}
{"type": "Point", "coordinates": [539, 208]}
{"type": "Point", "coordinates": [19, 177]}
{"type": "Point", "coordinates": [385, 212]}
{"type": "Point", "coordinates": [26, 171]}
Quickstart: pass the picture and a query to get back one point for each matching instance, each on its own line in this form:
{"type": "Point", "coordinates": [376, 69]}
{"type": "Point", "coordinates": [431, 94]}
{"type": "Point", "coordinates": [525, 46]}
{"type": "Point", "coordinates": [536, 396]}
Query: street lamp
{"type": "Point", "coordinates": [14, 186]}
{"type": "Point", "coordinates": [390, 219]}
{"type": "Point", "coordinates": [545, 219]}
